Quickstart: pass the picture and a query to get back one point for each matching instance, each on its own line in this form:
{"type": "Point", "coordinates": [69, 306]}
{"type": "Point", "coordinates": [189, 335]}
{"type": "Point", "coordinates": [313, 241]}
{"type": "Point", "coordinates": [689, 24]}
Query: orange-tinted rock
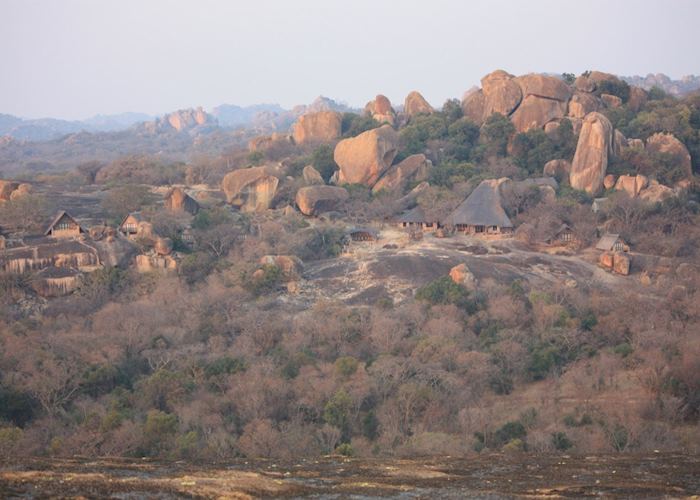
{"type": "Point", "coordinates": [611, 101]}
{"type": "Point", "coordinates": [313, 200]}
{"type": "Point", "coordinates": [606, 260]}
{"type": "Point", "coordinates": [534, 112]}
{"type": "Point", "coordinates": [549, 87]}
{"type": "Point", "coordinates": [473, 106]}
{"type": "Point", "coordinates": [584, 84]}
{"type": "Point", "coordinates": [312, 176]}
{"type": "Point", "coordinates": [581, 104]}
{"type": "Point", "coordinates": [414, 168]}
{"type": "Point", "coordinates": [609, 181]}
{"type": "Point", "coordinates": [593, 150]}
{"type": "Point", "coordinates": [501, 92]}
{"type": "Point", "coordinates": [621, 264]}
{"type": "Point", "coordinates": [323, 126]}
{"type": "Point", "coordinates": [365, 158]}
{"type": "Point", "coordinates": [461, 275]}
{"type": "Point", "coordinates": [380, 109]}
{"type": "Point", "coordinates": [178, 200]}
{"type": "Point", "coordinates": [670, 145]}
{"type": "Point", "coordinates": [250, 189]}
{"type": "Point", "coordinates": [416, 104]}
{"type": "Point", "coordinates": [631, 184]}
{"type": "Point", "coordinates": [11, 190]}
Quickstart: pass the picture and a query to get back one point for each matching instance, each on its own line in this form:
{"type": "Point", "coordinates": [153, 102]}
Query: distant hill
{"type": "Point", "coordinates": [677, 88]}
{"type": "Point", "coordinates": [46, 129]}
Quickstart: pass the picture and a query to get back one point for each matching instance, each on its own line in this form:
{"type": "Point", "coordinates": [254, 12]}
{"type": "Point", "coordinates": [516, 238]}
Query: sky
{"type": "Point", "coordinates": [73, 59]}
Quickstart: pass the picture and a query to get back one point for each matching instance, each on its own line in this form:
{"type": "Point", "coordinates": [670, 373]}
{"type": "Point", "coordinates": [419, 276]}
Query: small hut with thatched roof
{"type": "Point", "coordinates": [481, 212]}
{"type": "Point", "coordinates": [64, 226]}
{"type": "Point", "coordinates": [415, 219]}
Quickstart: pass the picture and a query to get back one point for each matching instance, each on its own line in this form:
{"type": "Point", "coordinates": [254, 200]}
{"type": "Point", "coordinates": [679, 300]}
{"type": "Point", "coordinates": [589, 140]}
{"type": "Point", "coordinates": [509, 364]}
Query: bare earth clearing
{"type": "Point", "coordinates": [486, 476]}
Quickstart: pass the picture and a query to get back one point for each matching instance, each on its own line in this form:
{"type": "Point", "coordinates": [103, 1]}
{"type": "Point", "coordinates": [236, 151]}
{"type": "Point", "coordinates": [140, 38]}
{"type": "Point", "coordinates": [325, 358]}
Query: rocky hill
{"type": "Point", "coordinates": [685, 85]}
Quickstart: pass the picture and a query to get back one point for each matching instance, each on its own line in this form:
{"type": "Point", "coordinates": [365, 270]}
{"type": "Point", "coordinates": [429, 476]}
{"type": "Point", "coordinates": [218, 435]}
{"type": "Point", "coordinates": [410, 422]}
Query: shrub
{"type": "Point", "coordinates": [354, 124]}
{"type": "Point", "coordinates": [495, 134]}
{"type": "Point", "coordinates": [346, 366]}
{"type": "Point", "coordinates": [445, 291]}
{"type": "Point", "coordinates": [322, 160]}
{"type": "Point", "coordinates": [344, 449]}
{"type": "Point", "coordinates": [508, 432]}
{"type": "Point", "coordinates": [561, 442]}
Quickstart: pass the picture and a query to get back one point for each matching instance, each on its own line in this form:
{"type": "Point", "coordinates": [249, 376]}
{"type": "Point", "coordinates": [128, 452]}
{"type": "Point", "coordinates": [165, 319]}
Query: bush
{"type": "Point", "coordinates": [354, 124]}
{"type": "Point", "coordinates": [322, 160]}
{"type": "Point", "coordinates": [344, 449]}
{"type": "Point", "coordinates": [264, 282]}
{"type": "Point", "coordinates": [561, 442]}
{"type": "Point", "coordinates": [444, 291]}
{"type": "Point", "coordinates": [508, 432]}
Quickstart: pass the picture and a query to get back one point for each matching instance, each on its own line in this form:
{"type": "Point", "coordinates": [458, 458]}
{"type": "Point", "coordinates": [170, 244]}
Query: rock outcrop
{"type": "Point", "coordinates": [250, 189]}
{"type": "Point", "coordinates": [11, 190]}
{"type": "Point", "coordinates": [656, 193]}
{"type": "Point", "coordinates": [416, 104]}
{"type": "Point", "coordinates": [380, 109]}
{"type": "Point", "coordinates": [312, 176]}
{"type": "Point", "coordinates": [531, 100]}
{"type": "Point", "coordinates": [559, 169]}
{"type": "Point", "coordinates": [616, 262]}
{"type": "Point", "coordinates": [151, 263]}
{"type": "Point", "coordinates": [609, 181]}
{"type": "Point", "coordinates": [593, 151]}
{"type": "Point", "coordinates": [461, 275]}
{"type": "Point", "coordinates": [365, 158]}
{"type": "Point", "coordinates": [265, 142]}
{"type": "Point", "coordinates": [313, 200]}
{"type": "Point", "coordinates": [323, 126]}
{"type": "Point", "coordinates": [582, 103]}
{"type": "Point", "coordinates": [177, 200]}
{"type": "Point", "coordinates": [670, 145]}
{"type": "Point", "coordinates": [290, 265]}
{"type": "Point", "coordinates": [181, 120]}
{"type": "Point", "coordinates": [414, 168]}
{"type": "Point", "coordinates": [632, 184]}
{"type": "Point", "coordinates": [499, 94]}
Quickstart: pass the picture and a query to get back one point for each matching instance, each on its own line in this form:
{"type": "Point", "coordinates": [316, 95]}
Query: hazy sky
{"type": "Point", "coordinates": [76, 58]}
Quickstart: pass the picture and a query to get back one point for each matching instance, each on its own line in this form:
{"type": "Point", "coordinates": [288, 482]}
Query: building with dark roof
{"type": "Point", "coordinates": [481, 212]}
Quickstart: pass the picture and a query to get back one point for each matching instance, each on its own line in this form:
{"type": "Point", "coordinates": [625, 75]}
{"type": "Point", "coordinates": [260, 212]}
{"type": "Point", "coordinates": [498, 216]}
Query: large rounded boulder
{"type": "Point", "coordinates": [250, 189]}
{"type": "Point", "coordinates": [323, 126]}
{"type": "Point", "coordinates": [501, 92]}
{"type": "Point", "coordinates": [593, 151]}
{"type": "Point", "coordinates": [380, 109]}
{"type": "Point", "coordinates": [313, 200]}
{"type": "Point", "coordinates": [414, 168]}
{"type": "Point", "coordinates": [668, 144]}
{"type": "Point", "coordinates": [365, 158]}
{"type": "Point", "coordinates": [416, 104]}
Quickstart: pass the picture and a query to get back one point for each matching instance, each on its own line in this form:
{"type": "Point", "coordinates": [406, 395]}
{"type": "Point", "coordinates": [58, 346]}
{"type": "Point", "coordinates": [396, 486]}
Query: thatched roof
{"type": "Point", "coordinates": [136, 215]}
{"type": "Point", "coordinates": [482, 208]}
{"type": "Point", "coordinates": [607, 242]}
{"type": "Point", "coordinates": [58, 217]}
{"type": "Point", "coordinates": [415, 215]}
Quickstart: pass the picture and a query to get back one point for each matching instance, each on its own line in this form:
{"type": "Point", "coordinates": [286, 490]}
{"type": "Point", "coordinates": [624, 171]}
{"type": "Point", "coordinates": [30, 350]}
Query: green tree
{"type": "Point", "coordinates": [322, 160]}
{"type": "Point", "coordinates": [496, 132]}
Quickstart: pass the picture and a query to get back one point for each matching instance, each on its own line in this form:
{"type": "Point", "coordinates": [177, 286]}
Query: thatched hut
{"type": "Point", "coordinates": [64, 226]}
{"type": "Point", "coordinates": [481, 212]}
{"type": "Point", "coordinates": [130, 225]}
{"type": "Point", "coordinates": [416, 219]}
{"type": "Point", "coordinates": [611, 242]}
